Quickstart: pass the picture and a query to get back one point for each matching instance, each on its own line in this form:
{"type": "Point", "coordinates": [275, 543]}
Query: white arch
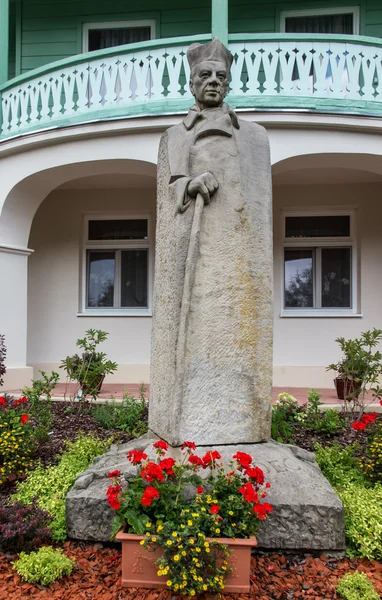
{"type": "Point", "coordinates": [27, 178]}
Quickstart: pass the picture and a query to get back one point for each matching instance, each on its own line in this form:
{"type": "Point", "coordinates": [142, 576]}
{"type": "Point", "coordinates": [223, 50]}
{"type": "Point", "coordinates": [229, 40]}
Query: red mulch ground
{"type": "Point", "coordinates": [97, 575]}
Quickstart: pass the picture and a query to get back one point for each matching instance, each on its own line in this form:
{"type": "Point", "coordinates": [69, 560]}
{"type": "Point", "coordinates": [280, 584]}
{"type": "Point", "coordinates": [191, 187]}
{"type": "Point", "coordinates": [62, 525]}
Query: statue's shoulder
{"type": "Point", "coordinates": [254, 130]}
{"type": "Point", "coordinates": [174, 132]}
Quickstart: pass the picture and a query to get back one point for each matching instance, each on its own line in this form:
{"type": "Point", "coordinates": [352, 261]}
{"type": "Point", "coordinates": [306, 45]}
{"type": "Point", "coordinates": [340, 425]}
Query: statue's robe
{"type": "Point", "coordinates": [226, 375]}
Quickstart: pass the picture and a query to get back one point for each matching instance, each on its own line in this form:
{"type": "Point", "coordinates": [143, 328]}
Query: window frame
{"type": "Point", "coordinates": [316, 12]}
{"type": "Point", "coordinates": [319, 243]}
{"type": "Point", "coordinates": [116, 245]}
{"type": "Point", "coordinates": [87, 26]}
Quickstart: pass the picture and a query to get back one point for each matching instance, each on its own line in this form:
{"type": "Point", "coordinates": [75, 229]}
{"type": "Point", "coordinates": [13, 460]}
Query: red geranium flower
{"type": "Point", "coordinates": [248, 492]}
{"type": "Point", "coordinates": [191, 445]}
{"type": "Point", "coordinates": [267, 485]}
{"type": "Point", "coordinates": [199, 490]}
{"type": "Point", "coordinates": [149, 495]}
{"type": "Point", "coordinates": [161, 446]}
{"type": "Point", "coordinates": [262, 510]}
{"type": "Point", "coordinates": [167, 465]}
{"type": "Point", "coordinates": [255, 473]}
{"type": "Point", "coordinates": [358, 425]}
{"type": "Point", "coordinates": [24, 419]}
{"type": "Point", "coordinates": [369, 418]}
{"type": "Point", "coordinates": [112, 494]}
{"type": "Point", "coordinates": [214, 509]}
{"type": "Point", "coordinates": [152, 471]}
{"type": "Point", "coordinates": [136, 456]}
{"type": "Point", "coordinates": [19, 401]}
{"type": "Point", "coordinates": [243, 459]}
{"type": "Point", "coordinates": [3, 401]}
{"type": "Point", "coordinates": [113, 474]}
{"type": "Point", "coordinates": [195, 460]}
{"type": "Point", "coordinates": [210, 457]}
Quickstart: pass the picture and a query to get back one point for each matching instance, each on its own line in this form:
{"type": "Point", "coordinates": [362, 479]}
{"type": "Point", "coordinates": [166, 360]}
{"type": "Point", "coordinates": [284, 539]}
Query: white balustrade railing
{"type": "Point", "coordinates": [152, 77]}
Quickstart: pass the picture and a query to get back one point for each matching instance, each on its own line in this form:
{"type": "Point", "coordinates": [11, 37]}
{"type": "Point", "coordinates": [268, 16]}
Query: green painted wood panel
{"type": "Point", "coordinates": [51, 29]}
{"type": "Point", "coordinates": [12, 41]}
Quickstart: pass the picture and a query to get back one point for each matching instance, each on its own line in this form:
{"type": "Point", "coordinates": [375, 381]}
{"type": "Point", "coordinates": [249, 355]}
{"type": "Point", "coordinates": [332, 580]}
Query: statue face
{"type": "Point", "coordinates": [209, 83]}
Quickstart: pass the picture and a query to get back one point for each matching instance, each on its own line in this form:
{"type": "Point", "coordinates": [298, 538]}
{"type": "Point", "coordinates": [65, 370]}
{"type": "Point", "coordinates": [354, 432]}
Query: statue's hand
{"type": "Point", "coordinates": [204, 184]}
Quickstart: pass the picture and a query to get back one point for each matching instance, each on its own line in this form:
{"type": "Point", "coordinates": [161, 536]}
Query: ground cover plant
{"type": "Point", "coordinates": [44, 566]}
{"type": "Point", "coordinates": [356, 586]}
{"type": "Point", "coordinates": [129, 415]}
{"type": "Point", "coordinates": [50, 485]}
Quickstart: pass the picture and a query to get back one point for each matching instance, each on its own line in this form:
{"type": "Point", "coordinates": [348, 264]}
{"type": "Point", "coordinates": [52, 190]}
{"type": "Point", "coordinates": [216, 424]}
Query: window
{"type": "Point", "coordinates": [117, 265]}
{"type": "Point", "coordinates": [319, 263]}
{"type": "Point", "coordinates": [339, 20]}
{"type": "Point", "coordinates": [97, 36]}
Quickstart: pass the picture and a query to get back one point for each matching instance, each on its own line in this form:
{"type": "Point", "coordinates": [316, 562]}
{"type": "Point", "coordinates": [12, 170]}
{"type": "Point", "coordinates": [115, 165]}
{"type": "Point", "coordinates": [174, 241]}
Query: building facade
{"type": "Point", "coordinates": [88, 87]}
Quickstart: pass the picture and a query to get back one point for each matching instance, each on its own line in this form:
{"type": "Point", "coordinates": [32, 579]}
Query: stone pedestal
{"type": "Point", "coordinates": [307, 514]}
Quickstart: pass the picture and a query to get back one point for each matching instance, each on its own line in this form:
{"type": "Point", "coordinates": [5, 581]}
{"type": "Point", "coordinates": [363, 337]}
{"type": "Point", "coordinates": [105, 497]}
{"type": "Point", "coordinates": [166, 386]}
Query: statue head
{"type": "Point", "coordinates": [210, 65]}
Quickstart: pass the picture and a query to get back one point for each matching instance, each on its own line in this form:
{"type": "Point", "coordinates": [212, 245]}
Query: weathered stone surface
{"type": "Point", "coordinates": [307, 513]}
{"type": "Point", "coordinates": [211, 361]}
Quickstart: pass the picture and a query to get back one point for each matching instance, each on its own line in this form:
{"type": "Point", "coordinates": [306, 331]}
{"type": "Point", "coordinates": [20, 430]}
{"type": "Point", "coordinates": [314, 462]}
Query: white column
{"type": "Point", "coordinates": [13, 314]}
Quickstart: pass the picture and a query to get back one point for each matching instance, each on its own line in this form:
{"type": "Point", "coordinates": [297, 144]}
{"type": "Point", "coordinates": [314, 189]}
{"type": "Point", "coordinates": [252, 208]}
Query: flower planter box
{"type": "Point", "coordinates": [140, 571]}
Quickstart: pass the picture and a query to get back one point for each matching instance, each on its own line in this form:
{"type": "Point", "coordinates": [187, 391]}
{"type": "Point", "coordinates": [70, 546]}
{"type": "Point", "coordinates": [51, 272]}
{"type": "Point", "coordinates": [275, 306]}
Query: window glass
{"type": "Point", "coordinates": [118, 229]}
{"type": "Point", "coordinates": [298, 278]}
{"type": "Point", "coordinates": [317, 226]}
{"type": "Point", "coordinates": [117, 36]}
{"type": "Point", "coordinates": [134, 265]}
{"type": "Point", "coordinates": [336, 277]}
{"type": "Point", "coordinates": [340, 24]}
{"type": "Point", "coordinates": [101, 274]}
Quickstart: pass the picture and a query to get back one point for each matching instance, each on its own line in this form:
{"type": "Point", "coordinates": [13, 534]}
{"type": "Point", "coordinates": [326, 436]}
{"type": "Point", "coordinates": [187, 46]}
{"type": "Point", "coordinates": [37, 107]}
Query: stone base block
{"type": "Point", "coordinates": [307, 513]}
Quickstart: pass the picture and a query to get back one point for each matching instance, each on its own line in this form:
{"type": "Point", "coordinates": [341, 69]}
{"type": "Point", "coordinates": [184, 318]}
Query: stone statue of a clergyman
{"type": "Point", "coordinates": [211, 368]}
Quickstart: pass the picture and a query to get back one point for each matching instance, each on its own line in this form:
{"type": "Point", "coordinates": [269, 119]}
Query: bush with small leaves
{"type": "Point", "coordinates": [363, 524]}
{"type": "Point", "coordinates": [130, 415]}
{"type": "Point", "coordinates": [339, 465]}
{"type": "Point", "coordinates": [16, 437]}
{"type": "Point", "coordinates": [23, 527]}
{"type": "Point", "coordinates": [371, 465]}
{"type": "Point", "coordinates": [50, 485]}
{"type": "Point", "coordinates": [356, 586]}
{"type": "Point", "coordinates": [44, 566]}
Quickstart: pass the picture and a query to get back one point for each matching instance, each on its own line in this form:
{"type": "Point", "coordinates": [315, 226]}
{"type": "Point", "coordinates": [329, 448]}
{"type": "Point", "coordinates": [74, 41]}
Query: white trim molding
{"type": "Point", "coordinates": [15, 250]}
{"type": "Point", "coordinates": [316, 12]}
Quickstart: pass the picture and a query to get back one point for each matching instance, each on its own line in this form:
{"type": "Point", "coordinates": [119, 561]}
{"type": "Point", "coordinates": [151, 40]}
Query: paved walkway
{"type": "Point", "coordinates": [117, 390]}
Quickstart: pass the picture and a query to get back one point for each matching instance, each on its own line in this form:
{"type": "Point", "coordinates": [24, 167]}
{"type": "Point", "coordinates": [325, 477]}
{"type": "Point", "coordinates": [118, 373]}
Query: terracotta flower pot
{"type": "Point", "coordinates": [140, 571]}
{"type": "Point", "coordinates": [347, 388]}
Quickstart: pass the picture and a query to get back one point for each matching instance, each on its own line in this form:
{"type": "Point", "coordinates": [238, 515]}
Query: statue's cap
{"type": "Point", "coordinates": [213, 50]}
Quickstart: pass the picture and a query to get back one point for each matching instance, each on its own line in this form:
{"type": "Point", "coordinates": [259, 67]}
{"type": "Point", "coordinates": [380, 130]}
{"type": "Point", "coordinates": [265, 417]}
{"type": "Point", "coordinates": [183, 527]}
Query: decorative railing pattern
{"type": "Point", "coordinates": [271, 71]}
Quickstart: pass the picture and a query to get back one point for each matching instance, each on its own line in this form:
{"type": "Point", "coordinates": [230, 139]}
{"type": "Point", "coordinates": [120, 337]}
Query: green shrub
{"type": "Point", "coordinates": [372, 464]}
{"type": "Point", "coordinates": [356, 586]}
{"type": "Point", "coordinates": [339, 465]}
{"type": "Point", "coordinates": [363, 521]}
{"type": "Point", "coordinates": [130, 415]}
{"type": "Point", "coordinates": [39, 397]}
{"type": "Point", "coordinates": [50, 485]}
{"type": "Point", "coordinates": [16, 438]}
{"type": "Point", "coordinates": [44, 566]}
{"type": "Point", "coordinates": [313, 418]}
{"type": "Point", "coordinates": [283, 416]}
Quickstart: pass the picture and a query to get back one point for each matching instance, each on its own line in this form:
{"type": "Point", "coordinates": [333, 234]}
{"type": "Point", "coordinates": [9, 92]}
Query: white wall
{"type": "Point", "coordinates": [304, 346]}
{"type": "Point", "coordinates": [54, 280]}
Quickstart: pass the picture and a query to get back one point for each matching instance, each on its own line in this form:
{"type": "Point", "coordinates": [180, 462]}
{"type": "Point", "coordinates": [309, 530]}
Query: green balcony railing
{"type": "Point", "coordinates": [326, 73]}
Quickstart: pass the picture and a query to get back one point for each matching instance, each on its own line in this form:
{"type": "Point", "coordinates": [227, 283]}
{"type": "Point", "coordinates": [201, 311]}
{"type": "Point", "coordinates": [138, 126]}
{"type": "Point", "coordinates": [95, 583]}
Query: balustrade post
{"type": "Point", "coordinates": [219, 20]}
{"type": "Point", "coordinates": [4, 40]}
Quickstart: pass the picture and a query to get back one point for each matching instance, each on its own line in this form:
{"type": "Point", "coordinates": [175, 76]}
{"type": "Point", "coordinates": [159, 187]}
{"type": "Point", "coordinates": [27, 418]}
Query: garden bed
{"type": "Point", "coordinates": [97, 576]}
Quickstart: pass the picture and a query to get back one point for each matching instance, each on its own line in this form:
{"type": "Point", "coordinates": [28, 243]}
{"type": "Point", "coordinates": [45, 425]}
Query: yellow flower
{"type": "Point", "coordinates": [195, 514]}
{"type": "Point", "coordinates": [148, 524]}
{"type": "Point", "coordinates": [142, 542]}
{"type": "Point", "coordinates": [174, 534]}
{"type": "Point", "coordinates": [204, 587]}
{"type": "Point", "coordinates": [176, 557]}
{"type": "Point", "coordinates": [230, 512]}
{"type": "Point", "coordinates": [159, 528]}
{"type": "Point", "coordinates": [217, 530]}
{"type": "Point", "coordinates": [182, 526]}
{"type": "Point", "coordinates": [192, 541]}
{"type": "Point", "coordinates": [198, 550]}
{"type": "Point", "coordinates": [153, 539]}
{"type": "Point", "coordinates": [189, 523]}
{"type": "Point", "coordinates": [192, 593]}
{"type": "Point", "coordinates": [206, 545]}
{"type": "Point", "coordinates": [184, 553]}
{"type": "Point", "coordinates": [169, 543]}
{"type": "Point", "coordinates": [169, 583]}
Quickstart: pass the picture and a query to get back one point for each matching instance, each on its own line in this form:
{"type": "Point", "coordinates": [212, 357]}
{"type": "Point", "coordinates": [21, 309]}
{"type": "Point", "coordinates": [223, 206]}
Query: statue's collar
{"type": "Point", "coordinates": [194, 114]}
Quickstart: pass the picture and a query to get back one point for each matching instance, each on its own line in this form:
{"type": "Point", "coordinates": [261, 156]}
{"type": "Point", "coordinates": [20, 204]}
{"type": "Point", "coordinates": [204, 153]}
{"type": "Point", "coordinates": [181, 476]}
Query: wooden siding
{"type": "Point", "coordinates": [12, 41]}
{"type": "Point", "coordinates": [51, 29]}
